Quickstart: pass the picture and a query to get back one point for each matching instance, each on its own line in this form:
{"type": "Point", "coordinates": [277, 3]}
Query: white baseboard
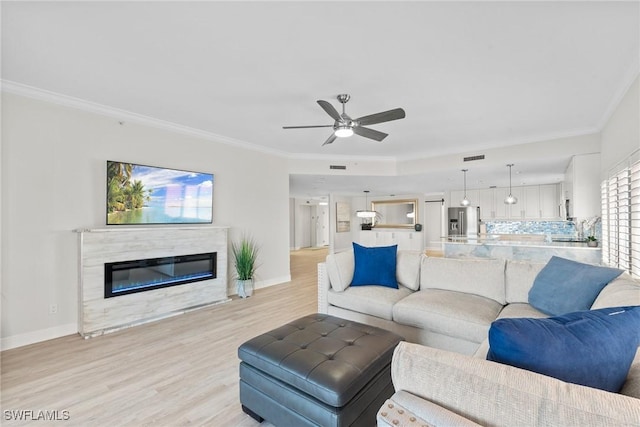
{"type": "Point", "coordinates": [20, 340]}
{"type": "Point", "coordinates": [262, 284]}
{"type": "Point", "coordinates": [274, 281]}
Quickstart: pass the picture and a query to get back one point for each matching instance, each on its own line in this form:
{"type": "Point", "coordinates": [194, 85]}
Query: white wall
{"type": "Point", "coordinates": [621, 133]}
{"type": "Point", "coordinates": [53, 181]}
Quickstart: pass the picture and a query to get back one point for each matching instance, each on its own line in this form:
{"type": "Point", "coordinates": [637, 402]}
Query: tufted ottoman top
{"type": "Point", "coordinates": [329, 358]}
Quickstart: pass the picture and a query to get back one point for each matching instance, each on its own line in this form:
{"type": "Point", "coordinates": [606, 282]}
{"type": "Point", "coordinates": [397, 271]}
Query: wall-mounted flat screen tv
{"type": "Point", "coordinates": [139, 194]}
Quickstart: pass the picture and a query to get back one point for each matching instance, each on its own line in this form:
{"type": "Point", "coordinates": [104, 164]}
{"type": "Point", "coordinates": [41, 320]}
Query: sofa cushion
{"type": "Point", "coordinates": [621, 291]}
{"type": "Point", "coordinates": [375, 266]}
{"type": "Point", "coordinates": [493, 394]}
{"type": "Point", "coordinates": [632, 384]}
{"type": "Point", "coordinates": [340, 270]}
{"type": "Point", "coordinates": [509, 311]}
{"type": "Point", "coordinates": [456, 314]}
{"type": "Point", "coordinates": [408, 269]}
{"type": "Point", "coordinates": [519, 277]}
{"type": "Point", "coordinates": [592, 348]}
{"type": "Point", "coordinates": [484, 277]}
{"type": "Point", "coordinates": [564, 286]}
{"type": "Point", "coordinates": [520, 310]}
{"type": "Point", "coordinates": [373, 300]}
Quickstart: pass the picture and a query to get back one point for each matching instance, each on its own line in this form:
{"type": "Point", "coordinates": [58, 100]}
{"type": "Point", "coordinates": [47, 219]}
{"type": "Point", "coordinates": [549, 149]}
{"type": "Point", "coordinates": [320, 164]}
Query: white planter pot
{"type": "Point", "coordinates": [244, 288]}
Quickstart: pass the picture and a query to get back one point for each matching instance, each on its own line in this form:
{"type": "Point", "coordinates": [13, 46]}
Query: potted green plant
{"type": "Point", "coordinates": [592, 242]}
{"type": "Point", "coordinates": [245, 255]}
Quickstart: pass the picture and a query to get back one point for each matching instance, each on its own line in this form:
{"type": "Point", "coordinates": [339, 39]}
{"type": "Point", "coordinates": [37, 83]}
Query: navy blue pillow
{"type": "Point", "coordinates": [592, 348]}
{"type": "Point", "coordinates": [564, 286]}
{"type": "Point", "coordinates": [375, 266]}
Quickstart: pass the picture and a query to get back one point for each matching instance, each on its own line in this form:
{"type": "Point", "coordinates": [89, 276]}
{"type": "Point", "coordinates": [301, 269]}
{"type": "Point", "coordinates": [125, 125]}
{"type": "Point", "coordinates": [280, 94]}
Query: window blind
{"type": "Point", "coordinates": [621, 219]}
{"type": "Point", "coordinates": [634, 225]}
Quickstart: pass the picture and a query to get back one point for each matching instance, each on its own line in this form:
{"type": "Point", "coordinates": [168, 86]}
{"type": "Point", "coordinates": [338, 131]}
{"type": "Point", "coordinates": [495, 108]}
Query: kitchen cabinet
{"type": "Point", "coordinates": [487, 203]}
{"type": "Point", "coordinates": [505, 211]}
{"type": "Point", "coordinates": [534, 202]}
{"type": "Point", "coordinates": [367, 238]}
{"type": "Point", "coordinates": [406, 240]}
{"type": "Point", "coordinates": [549, 201]}
{"type": "Point", "coordinates": [530, 203]}
{"type": "Point", "coordinates": [582, 185]}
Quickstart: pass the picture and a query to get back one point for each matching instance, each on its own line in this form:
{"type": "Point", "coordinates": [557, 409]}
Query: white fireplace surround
{"type": "Point", "coordinates": [98, 315]}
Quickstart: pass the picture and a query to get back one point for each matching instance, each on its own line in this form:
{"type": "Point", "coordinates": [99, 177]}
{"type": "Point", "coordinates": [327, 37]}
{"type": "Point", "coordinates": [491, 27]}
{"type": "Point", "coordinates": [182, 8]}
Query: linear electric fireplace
{"type": "Point", "coordinates": [127, 277]}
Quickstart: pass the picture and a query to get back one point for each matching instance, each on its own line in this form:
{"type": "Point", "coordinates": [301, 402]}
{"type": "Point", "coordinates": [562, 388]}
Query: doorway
{"type": "Point", "coordinates": [311, 225]}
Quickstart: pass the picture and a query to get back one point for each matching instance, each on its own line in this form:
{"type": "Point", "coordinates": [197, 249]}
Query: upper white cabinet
{"type": "Point", "coordinates": [582, 186]}
{"type": "Point", "coordinates": [530, 207]}
{"type": "Point", "coordinates": [534, 202]}
{"type": "Point", "coordinates": [487, 203]}
{"type": "Point", "coordinates": [503, 211]}
{"type": "Point", "coordinates": [550, 201]}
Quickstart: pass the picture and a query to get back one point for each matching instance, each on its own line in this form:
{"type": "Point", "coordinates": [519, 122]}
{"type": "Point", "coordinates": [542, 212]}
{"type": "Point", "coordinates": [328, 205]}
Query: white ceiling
{"type": "Point", "coordinates": [470, 75]}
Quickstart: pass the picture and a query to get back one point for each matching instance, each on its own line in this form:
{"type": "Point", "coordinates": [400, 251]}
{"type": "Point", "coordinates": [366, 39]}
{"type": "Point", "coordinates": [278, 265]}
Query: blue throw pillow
{"type": "Point", "coordinates": [564, 286]}
{"type": "Point", "coordinates": [592, 348]}
{"type": "Point", "coordinates": [375, 266]}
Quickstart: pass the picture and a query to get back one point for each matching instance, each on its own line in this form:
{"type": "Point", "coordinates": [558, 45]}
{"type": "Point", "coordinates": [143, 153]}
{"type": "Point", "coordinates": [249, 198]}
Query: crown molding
{"type": "Point", "coordinates": [128, 116]}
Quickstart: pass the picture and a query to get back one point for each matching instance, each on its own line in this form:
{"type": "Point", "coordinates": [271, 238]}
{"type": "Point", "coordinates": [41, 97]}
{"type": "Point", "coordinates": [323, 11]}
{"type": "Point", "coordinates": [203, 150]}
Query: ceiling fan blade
{"type": "Point", "coordinates": [369, 133]}
{"type": "Point", "coordinates": [330, 110]}
{"type": "Point", "coordinates": [385, 116]}
{"type": "Point", "coordinates": [330, 139]}
{"type": "Point", "coordinates": [306, 127]}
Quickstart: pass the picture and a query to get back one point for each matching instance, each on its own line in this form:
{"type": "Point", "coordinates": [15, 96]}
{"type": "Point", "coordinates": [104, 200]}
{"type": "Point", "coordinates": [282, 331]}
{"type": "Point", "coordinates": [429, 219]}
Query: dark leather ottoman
{"type": "Point", "coordinates": [318, 370]}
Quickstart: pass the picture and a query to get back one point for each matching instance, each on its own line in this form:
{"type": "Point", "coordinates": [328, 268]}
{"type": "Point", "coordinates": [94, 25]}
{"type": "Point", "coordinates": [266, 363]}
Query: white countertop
{"type": "Point", "coordinates": [535, 244]}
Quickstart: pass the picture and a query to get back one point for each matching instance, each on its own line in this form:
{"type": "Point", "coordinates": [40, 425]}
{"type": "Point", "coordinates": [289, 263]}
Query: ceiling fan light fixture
{"type": "Point", "coordinates": [344, 126]}
{"type": "Point", "coordinates": [343, 131]}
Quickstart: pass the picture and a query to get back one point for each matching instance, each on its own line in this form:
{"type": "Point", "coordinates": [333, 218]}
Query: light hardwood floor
{"type": "Point", "coordinates": [173, 372]}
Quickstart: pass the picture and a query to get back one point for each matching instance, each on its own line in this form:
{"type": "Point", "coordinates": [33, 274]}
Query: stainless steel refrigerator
{"type": "Point", "coordinates": [464, 222]}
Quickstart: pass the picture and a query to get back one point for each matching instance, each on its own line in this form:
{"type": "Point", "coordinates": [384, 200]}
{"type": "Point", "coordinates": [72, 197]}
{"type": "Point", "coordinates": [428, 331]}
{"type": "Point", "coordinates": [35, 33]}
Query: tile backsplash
{"type": "Point", "coordinates": [532, 227]}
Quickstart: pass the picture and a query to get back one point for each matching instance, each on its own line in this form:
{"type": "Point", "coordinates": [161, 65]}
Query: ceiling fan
{"type": "Point", "coordinates": [345, 126]}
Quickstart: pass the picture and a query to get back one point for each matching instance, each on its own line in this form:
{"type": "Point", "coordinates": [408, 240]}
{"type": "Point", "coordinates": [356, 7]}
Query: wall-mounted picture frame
{"type": "Point", "coordinates": [343, 217]}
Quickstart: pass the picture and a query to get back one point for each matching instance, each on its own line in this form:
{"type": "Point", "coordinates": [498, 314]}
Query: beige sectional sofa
{"type": "Point", "coordinates": [447, 306]}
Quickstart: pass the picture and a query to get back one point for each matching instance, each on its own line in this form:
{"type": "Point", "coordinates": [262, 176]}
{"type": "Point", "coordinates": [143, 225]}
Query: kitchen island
{"type": "Point", "coordinates": [529, 250]}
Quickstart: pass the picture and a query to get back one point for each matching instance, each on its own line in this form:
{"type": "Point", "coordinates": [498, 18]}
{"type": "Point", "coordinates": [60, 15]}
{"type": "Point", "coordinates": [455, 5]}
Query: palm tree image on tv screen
{"type": "Point", "coordinates": [139, 194]}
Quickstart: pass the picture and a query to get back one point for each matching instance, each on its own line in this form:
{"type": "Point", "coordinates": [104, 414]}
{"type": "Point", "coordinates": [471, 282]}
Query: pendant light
{"type": "Point", "coordinates": [465, 201]}
{"type": "Point", "coordinates": [366, 213]}
{"type": "Point", "coordinates": [511, 199]}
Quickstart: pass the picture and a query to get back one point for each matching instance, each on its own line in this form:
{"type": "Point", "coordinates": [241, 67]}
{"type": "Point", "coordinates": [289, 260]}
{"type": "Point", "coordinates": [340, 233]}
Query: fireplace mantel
{"type": "Point", "coordinates": [97, 246]}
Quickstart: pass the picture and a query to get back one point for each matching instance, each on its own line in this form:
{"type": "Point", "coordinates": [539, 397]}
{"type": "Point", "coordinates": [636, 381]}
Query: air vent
{"type": "Point", "coordinates": [472, 158]}
{"type": "Point", "coordinates": [338, 167]}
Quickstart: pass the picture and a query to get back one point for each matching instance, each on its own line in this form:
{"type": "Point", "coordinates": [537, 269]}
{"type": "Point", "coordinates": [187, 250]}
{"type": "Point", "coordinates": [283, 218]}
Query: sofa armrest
{"type": "Point", "coordinates": [405, 409]}
{"type": "Point", "coordinates": [493, 394]}
{"type": "Point", "coordinates": [323, 288]}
